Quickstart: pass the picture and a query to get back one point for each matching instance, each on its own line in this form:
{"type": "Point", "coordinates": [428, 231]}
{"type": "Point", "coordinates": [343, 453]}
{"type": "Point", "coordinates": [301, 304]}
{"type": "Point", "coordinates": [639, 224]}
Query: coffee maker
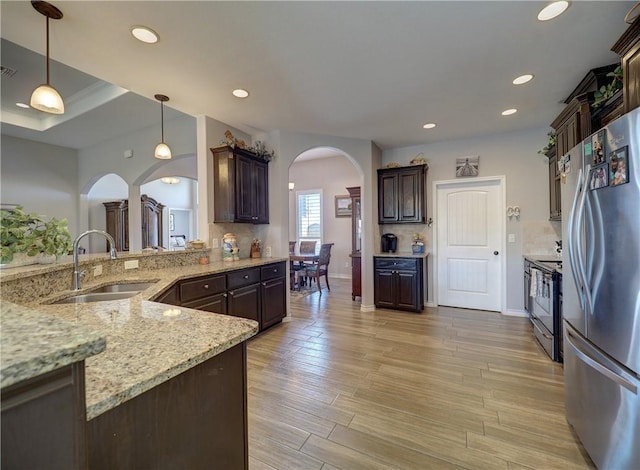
{"type": "Point", "coordinates": [389, 243]}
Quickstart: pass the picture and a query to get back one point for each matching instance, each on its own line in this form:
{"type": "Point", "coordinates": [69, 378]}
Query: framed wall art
{"type": "Point", "coordinates": [343, 206]}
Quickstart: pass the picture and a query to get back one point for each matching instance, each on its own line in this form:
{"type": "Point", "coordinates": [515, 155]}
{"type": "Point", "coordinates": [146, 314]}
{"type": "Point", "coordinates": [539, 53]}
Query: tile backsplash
{"type": "Point", "coordinates": [539, 237]}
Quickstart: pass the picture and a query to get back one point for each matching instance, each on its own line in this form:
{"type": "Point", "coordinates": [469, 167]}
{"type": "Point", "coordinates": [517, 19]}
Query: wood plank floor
{"type": "Point", "coordinates": [336, 388]}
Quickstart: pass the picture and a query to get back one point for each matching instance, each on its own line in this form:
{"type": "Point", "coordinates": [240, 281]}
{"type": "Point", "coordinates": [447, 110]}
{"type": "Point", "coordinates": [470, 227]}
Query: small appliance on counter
{"type": "Point", "coordinates": [389, 243]}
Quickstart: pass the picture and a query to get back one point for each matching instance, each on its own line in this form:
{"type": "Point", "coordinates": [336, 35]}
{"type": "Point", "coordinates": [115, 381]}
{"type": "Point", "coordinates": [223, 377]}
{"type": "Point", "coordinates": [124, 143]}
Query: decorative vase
{"type": "Point", "coordinates": [20, 259]}
{"type": "Point", "coordinates": [46, 259]}
{"type": "Point", "coordinates": [229, 247]}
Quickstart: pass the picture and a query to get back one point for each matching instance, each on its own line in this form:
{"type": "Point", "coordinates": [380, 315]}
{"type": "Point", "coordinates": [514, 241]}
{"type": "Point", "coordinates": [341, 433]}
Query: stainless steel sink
{"type": "Point", "coordinates": [122, 290]}
{"type": "Point", "coordinates": [96, 297]}
{"type": "Point", "coordinates": [124, 287]}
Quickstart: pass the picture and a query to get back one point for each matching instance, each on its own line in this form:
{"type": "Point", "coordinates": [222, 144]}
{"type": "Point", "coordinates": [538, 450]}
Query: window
{"type": "Point", "coordinates": [309, 216]}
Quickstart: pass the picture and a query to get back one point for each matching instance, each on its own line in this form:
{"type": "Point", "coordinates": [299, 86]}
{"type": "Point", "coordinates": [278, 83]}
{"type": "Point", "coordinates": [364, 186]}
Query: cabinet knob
{"type": "Point", "coordinates": [246, 276]}
{"type": "Point", "coordinates": [275, 270]}
{"type": "Point", "coordinates": [224, 295]}
{"type": "Point", "coordinates": [496, 253]}
{"type": "Point", "coordinates": [206, 286]}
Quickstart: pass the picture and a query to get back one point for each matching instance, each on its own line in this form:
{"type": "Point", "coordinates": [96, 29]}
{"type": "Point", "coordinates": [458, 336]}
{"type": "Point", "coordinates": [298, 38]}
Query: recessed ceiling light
{"type": "Point", "coordinates": [22, 105]}
{"type": "Point", "coordinates": [240, 93]}
{"type": "Point", "coordinates": [523, 79]}
{"type": "Point", "coordinates": [552, 10]}
{"type": "Point", "coordinates": [431, 125]}
{"type": "Point", "coordinates": [508, 112]}
{"type": "Point", "coordinates": [144, 34]}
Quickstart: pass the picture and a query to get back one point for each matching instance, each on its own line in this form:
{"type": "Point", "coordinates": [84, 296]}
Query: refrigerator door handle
{"type": "Point", "coordinates": [572, 242]}
{"type": "Point", "coordinates": [585, 292]}
{"type": "Point", "coordinates": [594, 364]}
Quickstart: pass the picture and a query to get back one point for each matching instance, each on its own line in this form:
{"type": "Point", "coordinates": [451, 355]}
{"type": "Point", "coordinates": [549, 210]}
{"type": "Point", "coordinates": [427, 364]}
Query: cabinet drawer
{"type": "Point", "coordinates": [405, 264]}
{"type": "Point", "coordinates": [243, 278]}
{"type": "Point", "coordinates": [272, 271]}
{"type": "Point", "coordinates": [202, 287]}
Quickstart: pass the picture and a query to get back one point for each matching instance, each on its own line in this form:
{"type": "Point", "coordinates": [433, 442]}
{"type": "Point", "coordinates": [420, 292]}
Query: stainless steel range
{"type": "Point", "coordinates": [543, 302]}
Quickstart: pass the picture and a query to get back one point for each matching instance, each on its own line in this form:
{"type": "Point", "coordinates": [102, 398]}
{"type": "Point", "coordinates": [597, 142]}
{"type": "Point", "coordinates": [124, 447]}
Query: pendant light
{"type": "Point", "coordinates": [162, 152]}
{"type": "Point", "coordinates": [45, 97]}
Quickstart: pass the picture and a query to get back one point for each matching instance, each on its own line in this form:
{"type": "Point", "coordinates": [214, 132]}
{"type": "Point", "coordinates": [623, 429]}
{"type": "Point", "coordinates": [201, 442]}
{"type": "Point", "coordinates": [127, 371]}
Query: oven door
{"type": "Point", "coordinates": [543, 304]}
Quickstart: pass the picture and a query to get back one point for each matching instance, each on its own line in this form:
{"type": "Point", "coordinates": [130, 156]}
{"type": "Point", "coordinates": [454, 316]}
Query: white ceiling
{"type": "Point", "coordinates": [369, 70]}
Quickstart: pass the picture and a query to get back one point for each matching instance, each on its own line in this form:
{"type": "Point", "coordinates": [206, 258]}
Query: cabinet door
{"type": "Point", "coordinates": [245, 191]}
{"type": "Point", "coordinates": [245, 302]}
{"type": "Point", "coordinates": [561, 140]}
{"type": "Point", "coordinates": [384, 288]}
{"type": "Point", "coordinates": [43, 421]}
{"type": "Point", "coordinates": [411, 194]}
{"type": "Point", "coordinates": [407, 290]}
{"type": "Point", "coordinates": [261, 193]}
{"type": "Point", "coordinates": [215, 303]}
{"type": "Point", "coordinates": [170, 297]}
{"type": "Point", "coordinates": [387, 197]}
{"type": "Point", "coordinates": [274, 302]}
{"type": "Point", "coordinates": [631, 78]}
{"type": "Point", "coordinates": [553, 193]}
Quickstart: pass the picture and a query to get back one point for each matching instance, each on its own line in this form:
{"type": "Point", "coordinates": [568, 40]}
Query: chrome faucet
{"type": "Point", "coordinates": [78, 276]}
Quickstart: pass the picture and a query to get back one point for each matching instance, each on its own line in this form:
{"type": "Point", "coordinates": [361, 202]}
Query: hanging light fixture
{"type": "Point", "coordinates": [170, 180]}
{"type": "Point", "coordinates": [162, 152]}
{"type": "Point", "coordinates": [45, 97]}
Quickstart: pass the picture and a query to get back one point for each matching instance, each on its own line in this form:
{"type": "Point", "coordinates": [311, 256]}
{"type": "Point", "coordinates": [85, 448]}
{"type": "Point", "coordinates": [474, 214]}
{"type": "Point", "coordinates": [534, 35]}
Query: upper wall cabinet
{"type": "Point", "coordinates": [402, 195]}
{"type": "Point", "coordinates": [628, 47]}
{"type": "Point", "coordinates": [240, 186]}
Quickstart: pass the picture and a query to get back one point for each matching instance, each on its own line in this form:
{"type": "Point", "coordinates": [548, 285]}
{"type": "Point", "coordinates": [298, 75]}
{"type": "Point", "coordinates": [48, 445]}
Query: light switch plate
{"type": "Point", "coordinates": [267, 251]}
{"type": "Point", "coordinates": [97, 270]}
{"type": "Point", "coordinates": [512, 238]}
{"type": "Point", "coordinates": [215, 243]}
{"type": "Point", "coordinates": [131, 264]}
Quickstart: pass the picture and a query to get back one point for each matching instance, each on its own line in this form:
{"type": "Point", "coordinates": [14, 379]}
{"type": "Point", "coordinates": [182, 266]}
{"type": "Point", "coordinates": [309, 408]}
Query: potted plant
{"type": "Point", "coordinates": [607, 91]}
{"type": "Point", "coordinates": [31, 235]}
{"type": "Point", "coordinates": [550, 145]}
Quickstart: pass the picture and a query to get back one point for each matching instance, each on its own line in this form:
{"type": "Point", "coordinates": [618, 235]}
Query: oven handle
{"type": "Point", "coordinates": [536, 323]}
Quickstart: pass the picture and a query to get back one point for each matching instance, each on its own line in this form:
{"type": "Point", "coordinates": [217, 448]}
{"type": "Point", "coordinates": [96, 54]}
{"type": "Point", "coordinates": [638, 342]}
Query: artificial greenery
{"type": "Point", "coordinates": [21, 232]}
{"type": "Point", "coordinates": [550, 145]}
{"type": "Point", "coordinates": [607, 91]}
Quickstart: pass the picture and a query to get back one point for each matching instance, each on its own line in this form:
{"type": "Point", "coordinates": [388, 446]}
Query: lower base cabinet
{"type": "Point", "coordinates": [258, 294]}
{"type": "Point", "coordinates": [399, 283]}
{"type": "Point", "coordinates": [196, 420]}
{"type": "Point", "coordinates": [43, 421]}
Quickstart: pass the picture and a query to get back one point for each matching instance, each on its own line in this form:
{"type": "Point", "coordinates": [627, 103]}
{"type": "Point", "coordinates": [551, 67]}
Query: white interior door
{"type": "Point", "coordinates": [469, 243]}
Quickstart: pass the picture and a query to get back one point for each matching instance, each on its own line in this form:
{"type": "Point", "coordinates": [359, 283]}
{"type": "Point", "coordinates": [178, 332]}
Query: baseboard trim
{"type": "Point", "coordinates": [367, 308]}
{"type": "Point", "coordinates": [430, 304]}
{"type": "Point", "coordinates": [516, 313]}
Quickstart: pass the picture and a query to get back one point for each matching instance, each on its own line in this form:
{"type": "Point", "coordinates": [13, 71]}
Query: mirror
{"type": "Point", "coordinates": [58, 165]}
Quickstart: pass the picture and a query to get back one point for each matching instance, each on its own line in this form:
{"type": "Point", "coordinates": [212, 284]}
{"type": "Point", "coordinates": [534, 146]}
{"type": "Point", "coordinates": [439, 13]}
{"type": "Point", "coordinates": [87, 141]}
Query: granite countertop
{"type": "Point", "coordinates": [33, 343]}
{"type": "Point", "coordinates": [147, 342]}
{"type": "Point", "coordinates": [402, 254]}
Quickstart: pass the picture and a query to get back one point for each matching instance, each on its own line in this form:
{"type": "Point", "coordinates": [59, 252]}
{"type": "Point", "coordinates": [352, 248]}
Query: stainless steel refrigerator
{"type": "Point", "coordinates": [601, 292]}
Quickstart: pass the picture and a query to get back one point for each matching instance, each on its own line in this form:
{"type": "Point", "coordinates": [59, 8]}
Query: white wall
{"type": "Point", "coordinates": [333, 175]}
{"type": "Point", "coordinates": [513, 155]}
{"type": "Point", "coordinates": [40, 177]}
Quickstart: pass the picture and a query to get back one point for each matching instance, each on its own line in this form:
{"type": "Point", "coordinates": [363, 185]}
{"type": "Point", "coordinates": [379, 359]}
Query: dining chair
{"type": "Point", "coordinates": [321, 267]}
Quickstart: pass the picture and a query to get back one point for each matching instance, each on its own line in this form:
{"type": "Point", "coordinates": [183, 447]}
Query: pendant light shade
{"type": "Point", "coordinates": [162, 152]}
{"type": "Point", "coordinates": [45, 97]}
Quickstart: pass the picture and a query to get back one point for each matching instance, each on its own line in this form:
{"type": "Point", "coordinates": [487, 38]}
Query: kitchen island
{"type": "Point", "coordinates": [169, 390]}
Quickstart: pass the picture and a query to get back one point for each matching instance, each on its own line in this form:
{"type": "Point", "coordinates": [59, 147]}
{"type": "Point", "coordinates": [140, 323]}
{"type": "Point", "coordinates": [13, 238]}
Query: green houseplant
{"type": "Point", "coordinates": [32, 234]}
{"type": "Point", "coordinates": [550, 145]}
{"type": "Point", "coordinates": [607, 91]}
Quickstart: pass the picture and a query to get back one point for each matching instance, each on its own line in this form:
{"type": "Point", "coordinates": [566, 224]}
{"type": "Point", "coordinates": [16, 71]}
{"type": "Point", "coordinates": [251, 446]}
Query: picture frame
{"type": "Point", "coordinates": [343, 206]}
{"type": "Point", "coordinates": [468, 166]}
{"type": "Point", "coordinates": [599, 177]}
{"type": "Point", "coordinates": [172, 225]}
{"type": "Point", "coordinates": [619, 166]}
{"type": "Point", "coordinates": [598, 147]}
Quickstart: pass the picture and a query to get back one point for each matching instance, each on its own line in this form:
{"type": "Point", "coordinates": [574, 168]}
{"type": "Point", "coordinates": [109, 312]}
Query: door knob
{"type": "Point", "coordinates": [496, 253]}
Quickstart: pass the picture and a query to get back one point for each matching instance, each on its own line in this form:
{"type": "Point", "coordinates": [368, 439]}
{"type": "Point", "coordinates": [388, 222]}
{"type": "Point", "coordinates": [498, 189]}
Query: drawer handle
{"type": "Point", "coordinates": [246, 276]}
{"type": "Point", "coordinates": [224, 295]}
{"type": "Point", "coordinates": [275, 270]}
{"type": "Point", "coordinates": [206, 286]}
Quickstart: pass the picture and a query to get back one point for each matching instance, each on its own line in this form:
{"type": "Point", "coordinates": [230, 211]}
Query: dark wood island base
{"type": "Point", "coordinates": [196, 420]}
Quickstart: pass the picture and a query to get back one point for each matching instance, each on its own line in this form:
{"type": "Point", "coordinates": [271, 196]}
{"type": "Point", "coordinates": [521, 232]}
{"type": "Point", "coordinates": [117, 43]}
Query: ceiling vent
{"type": "Point", "coordinates": [7, 72]}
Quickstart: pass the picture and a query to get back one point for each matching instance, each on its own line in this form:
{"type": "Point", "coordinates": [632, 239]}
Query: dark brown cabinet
{"type": "Point", "coordinates": [44, 421]}
{"type": "Point", "coordinates": [356, 242]}
{"type": "Point", "coordinates": [196, 420]}
{"type": "Point", "coordinates": [628, 47]}
{"type": "Point", "coordinates": [240, 186]}
{"type": "Point", "coordinates": [117, 222]}
{"type": "Point", "coordinates": [555, 201]}
{"type": "Point", "coordinates": [399, 283]}
{"type": "Point", "coordinates": [255, 293]}
{"type": "Point", "coordinates": [401, 195]}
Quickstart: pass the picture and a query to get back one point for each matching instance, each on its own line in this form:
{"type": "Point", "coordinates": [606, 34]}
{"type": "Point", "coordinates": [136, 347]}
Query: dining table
{"type": "Point", "coordinates": [299, 258]}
